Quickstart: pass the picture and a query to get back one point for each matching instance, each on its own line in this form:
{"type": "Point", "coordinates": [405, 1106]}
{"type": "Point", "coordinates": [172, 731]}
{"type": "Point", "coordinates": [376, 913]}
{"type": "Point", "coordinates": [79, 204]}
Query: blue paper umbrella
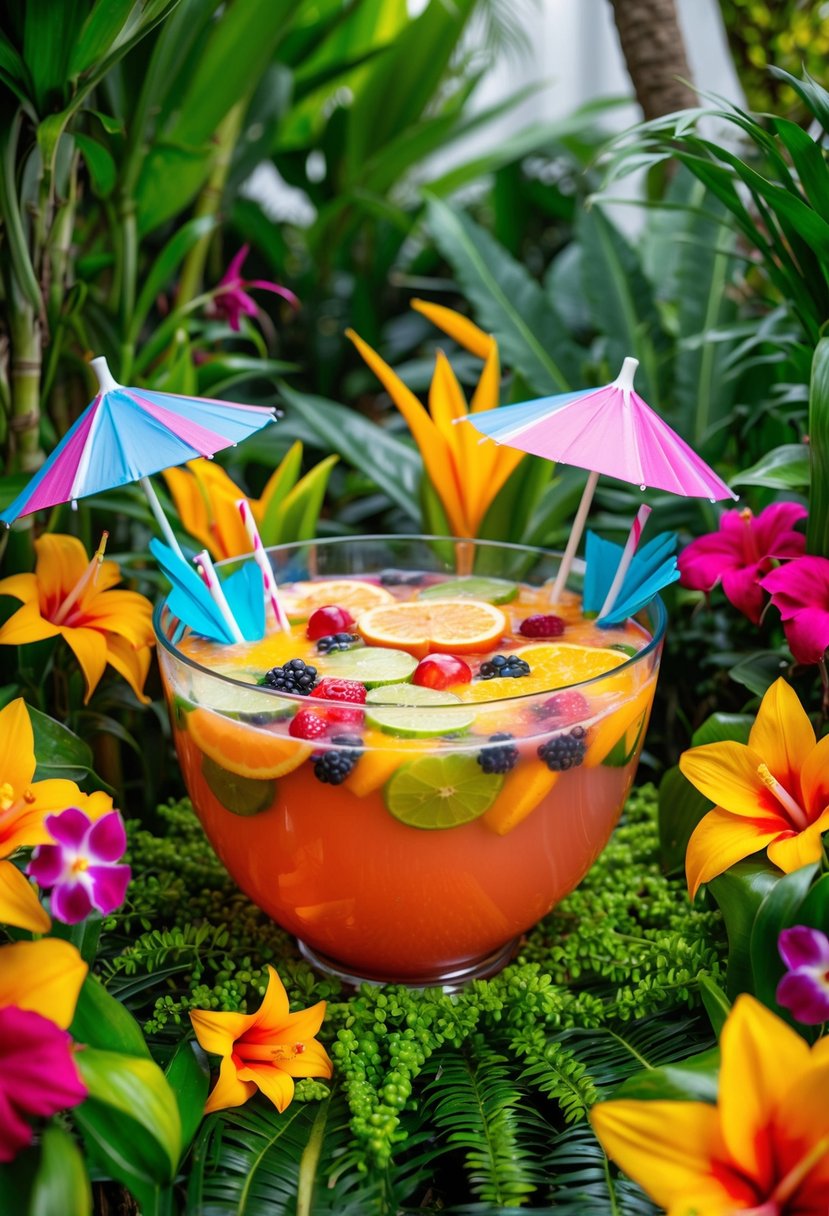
{"type": "Point", "coordinates": [191, 602]}
{"type": "Point", "coordinates": [652, 568]}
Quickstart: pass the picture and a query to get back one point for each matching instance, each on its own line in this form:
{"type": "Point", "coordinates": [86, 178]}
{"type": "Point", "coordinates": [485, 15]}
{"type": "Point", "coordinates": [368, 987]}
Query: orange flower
{"type": "Point", "coordinates": [772, 793]}
{"type": "Point", "coordinates": [465, 471]}
{"type": "Point", "coordinates": [764, 1147]}
{"type": "Point", "coordinates": [24, 805]}
{"type": "Point", "coordinates": [70, 597]}
{"type": "Point", "coordinates": [263, 1050]}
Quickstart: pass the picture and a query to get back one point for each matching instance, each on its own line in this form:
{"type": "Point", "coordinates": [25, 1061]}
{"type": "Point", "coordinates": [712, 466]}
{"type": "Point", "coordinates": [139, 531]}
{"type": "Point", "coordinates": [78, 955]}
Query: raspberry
{"type": "Point", "coordinates": [295, 676]}
{"type": "Point", "coordinates": [331, 618]}
{"type": "Point", "coordinates": [349, 691]}
{"type": "Point", "coordinates": [333, 765]}
{"type": "Point", "coordinates": [502, 757]}
{"type": "Point", "coordinates": [308, 725]}
{"type": "Point", "coordinates": [542, 626]}
{"type": "Point", "coordinates": [564, 751]}
{"type": "Point", "coordinates": [503, 665]}
{"type": "Point", "coordinates": [568, 706]}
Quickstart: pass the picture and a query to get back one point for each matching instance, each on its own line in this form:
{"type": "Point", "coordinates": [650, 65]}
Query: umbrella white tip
{"type": "Point", "coordinates": [106, 380]}
{"type": "Point", "coordinates": [624, 380]}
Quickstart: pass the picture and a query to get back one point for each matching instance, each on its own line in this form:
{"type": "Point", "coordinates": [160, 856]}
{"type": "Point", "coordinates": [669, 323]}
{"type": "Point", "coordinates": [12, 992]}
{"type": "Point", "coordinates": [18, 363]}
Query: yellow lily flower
{"type": "Point", "coordinates": [466, 472]}
{"type": "Point", "coordinates": [764, 1147]}
{"type": "Point", "coordinates": [42, 977]}
{"type": "Point", "coordinates": [772, 793]}
{"type": "Point", "coordinates": [69, 596]}
{"type": "Point", "coordinates": [24, 805]}
{"type": "Point", "coordinates": [263, 1050]}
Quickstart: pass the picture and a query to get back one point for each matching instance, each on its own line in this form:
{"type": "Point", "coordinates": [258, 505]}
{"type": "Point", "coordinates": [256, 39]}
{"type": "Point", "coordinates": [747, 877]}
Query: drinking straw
{"type": "Point", "coordinates": [632, 541]}
{"type": "Point", "coordinates": [258, 550]}
{"type": "Point", "coordinates": [88, 578]}
{"type": "Point", "coordinates": [211, 582]}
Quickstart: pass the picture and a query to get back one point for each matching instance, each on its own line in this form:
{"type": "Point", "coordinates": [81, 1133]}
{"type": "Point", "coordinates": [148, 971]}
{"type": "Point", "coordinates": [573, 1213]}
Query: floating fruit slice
{"type": "Point", "coordinates": [413, 712]}
{"type": "Point", "coordinates": [621, 726]}
{"type": "Point", "coordinates": [381, 757]}
{"type": "Point", "coordinates": [524, 788]}
{"type": "Point", "coordinates": [253, 704]}
{"type": "Point", "coordinates": [241, 795]}
{"type": "Point", "coordinates": [301, 599]}
{"type": "Point", "coordinates": [247, 751]}
{"type": "Point", "coordinates": [441, 791]}
{"type": "Point", "coordinates": [553, 665]}
{"type": "Point", "coordinates": [372, 666]}
{"type": "Point", "coordinates": [448, 626]}
{"type": "Point", "coordinates": [471, 587]}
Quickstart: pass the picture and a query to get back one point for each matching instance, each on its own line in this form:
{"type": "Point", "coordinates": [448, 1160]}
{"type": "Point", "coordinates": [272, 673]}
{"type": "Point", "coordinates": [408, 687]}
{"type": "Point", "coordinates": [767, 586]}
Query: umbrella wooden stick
{"type": "Point", "coordinates": [632, 541]}
{"type": "Point", "coordinates": [575, 537]}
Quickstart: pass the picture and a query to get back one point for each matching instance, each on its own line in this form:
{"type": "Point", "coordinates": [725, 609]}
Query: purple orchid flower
{"type": "Point", "coordinates": [741, 551]}
{"type": "Point", "coordinates": [800, 592]}
{"type": "Point", "coordinates": [80, 867]}
{"type": "Point", "coordinates": [38, 1076]}
{"type": "Point", "coordinates": [232, 302]}
{"type": "Point", "coordinates": [804, 989]}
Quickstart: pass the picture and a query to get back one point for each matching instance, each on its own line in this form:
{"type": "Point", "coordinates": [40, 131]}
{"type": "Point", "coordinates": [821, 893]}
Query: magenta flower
{"type": "Point", "coordinates": [80, 867]}
{"type": "Point", "coordinates": [800, 591]}
{"type": "Point", "coordinates": [804, 989]}
{"type": "Point", "coordinates": [741, 551]}
{"type": "Point", "coordinates": [232, 302]}
{"type": "Point", "coordinates": [37, 1075]}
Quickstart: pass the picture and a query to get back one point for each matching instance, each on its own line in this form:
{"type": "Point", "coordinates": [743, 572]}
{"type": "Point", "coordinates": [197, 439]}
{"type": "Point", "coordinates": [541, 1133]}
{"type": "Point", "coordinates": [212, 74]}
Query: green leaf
{"type": "Point", "coordinates": [815, 907]}
{"type": "Point", "coordinates": [681, 807]}
{"type": "Point", "coordinates": [739, 892]}
{"type": "Point", "coordinates": [694, 1080]}
{"type": "Point", "coordinates": [286, 477]}
{"type": "Point", "coordinates": [165, 266]}
{"type": "Point", "coordinates": [49, 34]}
{"type": "Point", "coordinates": [99, 162]}
{"type": "Point", "coordinates": [817, 528]}
{"type": "Point", "coordinates": [101, 28]}
{"type": "Point", "coordinates": [59, 752]}
{"type": "Point", "coordinates": [132, 1110]}
{"type": "Point", "coordinates": [507, 301]}
{"type": "Point", "coordinates": [783, 468]}
{"type": "Point", "coordinates": [716, 1003]}
{"type": "Point", "coordinates": [302, 505]}
{"type": "Point", "coordinates": [189, 1079]}
{"type": "Point", "coordinates": [721, 727]}
{"type": "Point", "coordinates": [103, 1022]}
{"type": "Point", "coordinates": [779, 910]}
{"type": "Point", "coordinates": [758, 671]}
{"type": "Point", "coordinates": [61, 1183]}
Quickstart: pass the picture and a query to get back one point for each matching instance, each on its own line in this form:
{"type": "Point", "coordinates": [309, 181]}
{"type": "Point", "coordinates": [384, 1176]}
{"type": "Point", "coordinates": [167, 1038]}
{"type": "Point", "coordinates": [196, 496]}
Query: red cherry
{"type": "Point", "coordinates": [328, 619]}
{"type": "Point", "coordinates": [441, 671]}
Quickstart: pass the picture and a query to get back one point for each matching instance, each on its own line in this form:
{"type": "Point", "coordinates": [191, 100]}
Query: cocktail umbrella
{"type": "Point", "coordinates": [127, 434]}
{"type": "Point", "coordinates": [609, 430]}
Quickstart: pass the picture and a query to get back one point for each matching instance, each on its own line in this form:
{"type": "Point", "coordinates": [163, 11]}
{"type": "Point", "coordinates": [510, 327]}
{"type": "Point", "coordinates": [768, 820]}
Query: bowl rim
{"type": "Point", "coordinates": [656, 606]}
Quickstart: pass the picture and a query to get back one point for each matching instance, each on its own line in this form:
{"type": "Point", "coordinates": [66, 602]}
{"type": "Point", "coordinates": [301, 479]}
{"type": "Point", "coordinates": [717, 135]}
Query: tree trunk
{"type": "Point", "coordinates": [654, 52]}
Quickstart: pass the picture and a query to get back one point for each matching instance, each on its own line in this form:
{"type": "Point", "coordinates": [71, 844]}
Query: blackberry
{"type": "Point", "coordinates": [295, 676]}
{"type": "Point", "coordinates": [336, 641]}
{"type": "Point", "coordinates": [502, 757]}
{"type": "Point", "coordinates": [502, 665]}
{"type": "Point", "coordinates": [400, 578]}
{"type": "Point", "coordinates": [333, 765]}
{"type": "Point", "coordinates": [565, 750]}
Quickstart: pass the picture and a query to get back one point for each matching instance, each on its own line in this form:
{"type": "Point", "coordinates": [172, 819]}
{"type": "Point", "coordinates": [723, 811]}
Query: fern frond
{"type": "Point", "coordinates": [560, 1075]}
{"type": "Point", "coordinates": [584, 1182]}
{"type": "Point", "coordinates": [613, 1053]}
{"type": "Point", "coordinates": [476, 1102]}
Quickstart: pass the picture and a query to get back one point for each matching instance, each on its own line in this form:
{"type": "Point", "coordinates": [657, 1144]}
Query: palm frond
{"type": "Point", "coordinates": [611, 1054]}
{"type": "Point", "coordinates": [584, 1182]}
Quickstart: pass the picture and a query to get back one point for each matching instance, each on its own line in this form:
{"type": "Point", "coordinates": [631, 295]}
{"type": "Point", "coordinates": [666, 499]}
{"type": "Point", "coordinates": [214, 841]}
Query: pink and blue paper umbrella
{"type": "Point", "coordinates": [125, 435]}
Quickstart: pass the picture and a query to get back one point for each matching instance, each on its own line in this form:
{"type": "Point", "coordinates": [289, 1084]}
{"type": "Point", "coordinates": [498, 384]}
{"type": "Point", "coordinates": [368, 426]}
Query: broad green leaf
{"type": "Point", "coordinates": [779, 910]}
{"type": "Point", "coordinates": [99, 162]}
{"type": "Point", "coordinates": [15, 231]}
{"type": "Point", "coordinates": [716, 1003]}
{"type": "Point", "coordinates": [739, 892]}
{"type": "Point", "coordinates": [809, 161]}
{"type": "Point", "coordinates": [165, 266]}
{"type": "Point", "coordinates": [100, 30]}
{"type": "Point", "coordinates": [49, 33]}
{"type": "Point", "coordinates": [693, 1080]}
{"type": "Point", "coordinates": [815, 97]}
{"type": "Point", "coordinates": [758, 671]}
{"type": "Point", "coordinates": [102, 1021]}
{"type": "Point", "coordinates": [286, 477]}
{"type": "Point", "coordinates": [221, 372]}
{"type": "Point", "coordinates": [189, 1078]}
{"type": "Point", "coordinates": [783, 468]}
{"type": "Point", "coordinates": [507, 302]}
{"type": "Point", "coordinates": [719, 727]}
{"type": "Point", "coordinates": [61, 1184]}
{"type": "Point", "coordinates": [815, 907]}
{"type": "Point", "coordinates": [131, 1103]}
{"type": "Point", "coordinates": [302, 505]}
{"type": "Point", "coordinates": [681, 807]}
{"type": "Point", "coordinates": [58, 751]}
{"type": "Point", "coordinates": [817, 528]}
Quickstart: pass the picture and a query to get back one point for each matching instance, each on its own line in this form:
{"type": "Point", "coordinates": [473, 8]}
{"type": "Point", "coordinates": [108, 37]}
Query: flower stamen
{"type": "Point", "coordinates": [6, 796]}
{"type": "Point", "coordinates": [87, 579]}
{"type": "Point", "coordinates": [797, 816]}
{"type": "Point", "coordinates": [799, 1172]}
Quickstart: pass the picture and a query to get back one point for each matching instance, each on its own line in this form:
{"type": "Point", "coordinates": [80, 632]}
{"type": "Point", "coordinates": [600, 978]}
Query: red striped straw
{"type": "Point", "coordinates": [632, 541]}
{"type": "Point", "coordinates": [211, 581]}
{"type": "Point", "coordinates": [260, 557]}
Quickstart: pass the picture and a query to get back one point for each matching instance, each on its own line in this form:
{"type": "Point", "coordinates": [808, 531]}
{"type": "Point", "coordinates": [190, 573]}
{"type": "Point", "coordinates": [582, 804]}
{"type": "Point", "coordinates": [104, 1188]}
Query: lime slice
{"type": "Point", "coordinates": [624, 648]}
{"type": "Point", "coordinates": [493, 590]}
{"type": "Point", "coordinates": [256, 705]}
{"type": "Point", "coordinates": [441, 791]}
{"type": "Point", "coordinates": [373, 666]}
{"type": "Point", "coordinates": [410, 694]}
{"type": "Point", "coordinates": [413, 712]}
{"type": "Point", "coordinates": [241, 795]}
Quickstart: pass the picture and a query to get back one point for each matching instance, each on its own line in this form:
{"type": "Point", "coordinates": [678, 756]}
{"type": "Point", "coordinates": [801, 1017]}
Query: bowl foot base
{"type": "Point", "coordinates": [450, 979]}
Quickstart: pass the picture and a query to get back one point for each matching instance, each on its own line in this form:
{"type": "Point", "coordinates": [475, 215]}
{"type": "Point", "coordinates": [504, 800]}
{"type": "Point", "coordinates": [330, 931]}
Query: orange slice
{"type": "Point", "coordinates": [245, 750]}
{"type": "Point", "coordinates": [383, 755]}
{"type": "Point", "coordinates": [300, 600]}
{"type": "Point", "coordinates": [424, 626]}
{"type": "Point", "coordinates": [553, 665]}
{"type": "Point", "coordinates": [523, 789]}
{"type": "Point", "coordinates": [623, 723]}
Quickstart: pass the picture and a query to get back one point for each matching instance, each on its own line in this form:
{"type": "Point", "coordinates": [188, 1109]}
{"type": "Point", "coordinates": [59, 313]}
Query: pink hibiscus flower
{"type": "Point", "coordinates": [741, 551]}
{"type": "Point", "coordinates": [232, 302]}
{"type": "Point", "coordinates": [800, 592]}
{"type": "Point", "coordinates": [38, 1076]}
